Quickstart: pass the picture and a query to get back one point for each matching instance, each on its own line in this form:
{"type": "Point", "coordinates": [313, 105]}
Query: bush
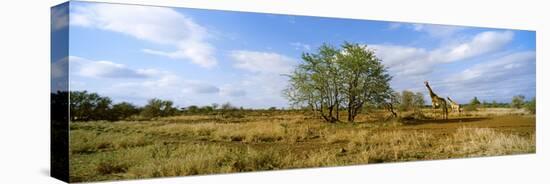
{"type": "Point", "coordinates": [474, 104]}
{"type": "Point", "coordinates": [123, 110]}
{"type": "Point", "coordinates": [410, 101]}
{"type": "Point", "coordinates": [230, 111]}
{"type": "Point", "coordinates": [517, 101]}
{"type": "Point", "coordinates": [158, 108]}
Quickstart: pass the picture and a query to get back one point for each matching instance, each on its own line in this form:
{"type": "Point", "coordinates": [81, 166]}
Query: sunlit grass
{"type": "Point", "coordinates": [204, 144]}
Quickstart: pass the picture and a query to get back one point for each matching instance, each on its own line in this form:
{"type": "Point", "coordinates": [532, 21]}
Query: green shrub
{"type": "Point", "coordinates": [158, 108]}
{"type": "Point", "coordinates": [531, 106]}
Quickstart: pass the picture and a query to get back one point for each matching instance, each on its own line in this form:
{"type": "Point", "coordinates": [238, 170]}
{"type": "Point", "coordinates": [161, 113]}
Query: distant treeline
{"type": "Point", "coordinates": [86, 106]}
{"type": "Point", "coordinates": [407, 101]}
{"type": "Point", "coordinates": [517, 102]}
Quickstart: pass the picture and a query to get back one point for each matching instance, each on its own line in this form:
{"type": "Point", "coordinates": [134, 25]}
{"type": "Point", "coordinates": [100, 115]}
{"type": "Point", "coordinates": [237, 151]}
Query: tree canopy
{"type": "Point", "coordinates": [331, 79]}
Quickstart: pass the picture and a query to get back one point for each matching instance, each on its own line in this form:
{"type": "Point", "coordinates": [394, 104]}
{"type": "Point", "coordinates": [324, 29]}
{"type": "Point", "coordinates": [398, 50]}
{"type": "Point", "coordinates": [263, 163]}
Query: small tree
{"type": "Point", "coordinates": [474, 104]}
{"type": "Point", "coordinates": [228, 107]}
{"type": "Point", "coordinates": [215, 106]}
{"type": "Point", "coordinates": [418, 101]}
{"type": "Point", "coordinates": [411, 101]}
{"type": "Point", "coordinates": [517, 101]}
{"type": "Point", "coordinates": [158, 108]}
{"type": "Point", "coordinates": [393, 103]}
{"type": "Point", "coordinates": [230, 111]}
{"type": "Point", "coordinates": [407, 100]}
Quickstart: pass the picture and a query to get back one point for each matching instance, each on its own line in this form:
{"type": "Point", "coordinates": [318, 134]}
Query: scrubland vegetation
{"type": "Point", "coordinates": [271, 140]}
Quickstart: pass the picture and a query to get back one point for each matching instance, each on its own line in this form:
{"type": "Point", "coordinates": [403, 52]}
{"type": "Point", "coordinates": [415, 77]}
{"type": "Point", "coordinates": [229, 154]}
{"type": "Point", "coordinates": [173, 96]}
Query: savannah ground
{"type": "Point", "coordinates": [271, 140]}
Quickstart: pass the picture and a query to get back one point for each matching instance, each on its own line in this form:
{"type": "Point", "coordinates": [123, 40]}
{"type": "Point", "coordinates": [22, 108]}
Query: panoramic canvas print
{"type": "Point", "coordinates": [143, 91]}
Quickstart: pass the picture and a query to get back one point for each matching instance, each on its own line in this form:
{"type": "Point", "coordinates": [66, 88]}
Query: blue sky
{"type": "Point", "coordinates": [199, 57]}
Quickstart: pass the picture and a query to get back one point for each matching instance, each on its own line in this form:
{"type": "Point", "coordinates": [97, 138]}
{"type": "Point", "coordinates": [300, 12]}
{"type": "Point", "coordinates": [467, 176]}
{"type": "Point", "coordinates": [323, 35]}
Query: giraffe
{"type": "Point", "coordinates": [454, 106]}
{"type": "Point", "coordinates": [437, 102]}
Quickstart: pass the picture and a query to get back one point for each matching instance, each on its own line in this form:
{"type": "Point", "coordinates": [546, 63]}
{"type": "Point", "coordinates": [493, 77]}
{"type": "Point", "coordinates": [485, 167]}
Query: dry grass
{"type": "Point", "coordinates": [194, 145]}
{"type": "Point", "coordinates": [475, 142]}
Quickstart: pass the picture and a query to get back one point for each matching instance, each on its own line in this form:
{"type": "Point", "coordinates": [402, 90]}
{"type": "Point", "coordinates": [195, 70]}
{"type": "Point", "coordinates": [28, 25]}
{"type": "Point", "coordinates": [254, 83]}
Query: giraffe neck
{"type": "Point", "coordinates": [432, 94]}
{"type": "Point", "coordinates": [453, 102]}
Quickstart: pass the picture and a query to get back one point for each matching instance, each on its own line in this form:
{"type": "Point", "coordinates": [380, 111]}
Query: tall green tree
{"type": "Point", "coordinates": [364, 78]}
{"type": "Point", "coordinates": [350, 78]}
{"type": "Point", "coordinates": [316, 83]}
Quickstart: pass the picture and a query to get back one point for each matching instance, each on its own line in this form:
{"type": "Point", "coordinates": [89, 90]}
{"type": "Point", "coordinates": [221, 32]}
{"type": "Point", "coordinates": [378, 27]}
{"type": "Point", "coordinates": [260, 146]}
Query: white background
{"type": "Point", "coordinates": [24, 90]}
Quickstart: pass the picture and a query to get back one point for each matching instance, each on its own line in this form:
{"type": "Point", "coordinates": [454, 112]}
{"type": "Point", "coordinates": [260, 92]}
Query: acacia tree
{"type": "Point", "coordinates": [350, 77]}
{"type": "Point", "coordinates": [315, 83]}
{"type": "Point", "coordinates": [365, 79]}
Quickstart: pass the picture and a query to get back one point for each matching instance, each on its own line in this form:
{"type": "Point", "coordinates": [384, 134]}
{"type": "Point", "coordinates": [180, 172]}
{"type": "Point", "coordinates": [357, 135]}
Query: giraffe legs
{"type": "Point", "coordinates": [446, 112]}
{"type": "Point", "coordinates": [444, 109]}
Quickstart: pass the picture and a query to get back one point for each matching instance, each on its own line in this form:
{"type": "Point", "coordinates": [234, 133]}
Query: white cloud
{"type": "Point", "coordinates": [496, 79]}
{"type": "Point", "coordinates": [301, 46]}
{"type": "Point", "coordinates": [410, 66]}
{"type": "Point", "coordinates": [510, 66]}
{"type": "Point", "coordinates": [439, 31]}
{"type": "Point", "coordinates": [232, 91]}
{"type": "Point", "coordinates": [105, 69]}
{"type": "Point", "coordinates": [416, 62]}
{"type": "Point", "coordinates": [165, 85]}
{"type": "Point", "coordinates": [198, 87]}
{"type": "Point", "coordinates": [402, 60]}
{"type": "Point", "coordinates": [262, 62]}
{"type": "Point", "coordinates": [265, 80]}
{"type": "Point", "coordinates": [482, 43]}
{"type": "Point", "coordinates": [206, 89]}
{"type": "Point", "coordinates": [166, 27]}
{"type": "Point", "coordinates": [138, 85]}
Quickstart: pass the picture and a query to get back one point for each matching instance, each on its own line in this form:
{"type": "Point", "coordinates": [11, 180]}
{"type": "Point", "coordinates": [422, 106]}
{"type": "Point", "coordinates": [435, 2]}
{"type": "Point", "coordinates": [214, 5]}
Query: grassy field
{"type": "Point", "coordinates": [272, 140]}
